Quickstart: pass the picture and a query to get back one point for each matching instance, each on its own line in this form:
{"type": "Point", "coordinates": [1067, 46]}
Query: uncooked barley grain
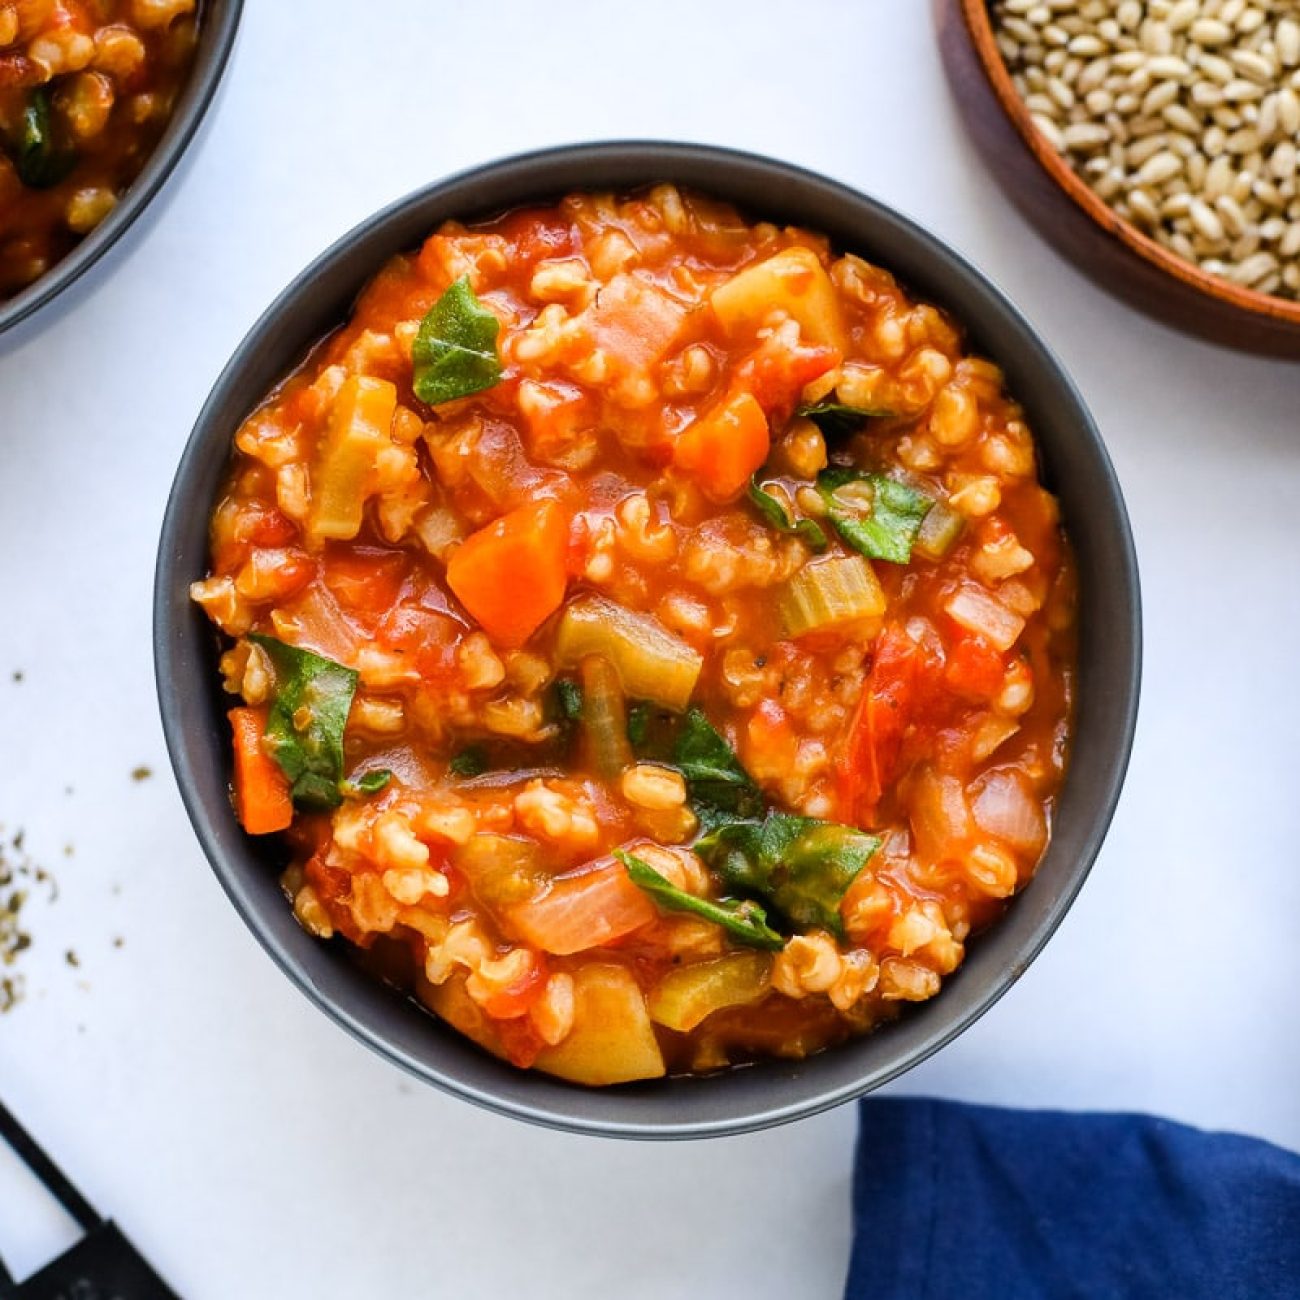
{"type": "Point", "coordinates": [1182, 115]}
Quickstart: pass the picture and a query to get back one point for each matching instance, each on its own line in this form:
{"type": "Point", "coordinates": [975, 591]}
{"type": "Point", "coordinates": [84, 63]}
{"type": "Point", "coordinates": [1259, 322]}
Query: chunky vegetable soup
{"type": "Point", "coordinates": [86, 87]}
{"type": "Point", "coordinates": [650, 634]}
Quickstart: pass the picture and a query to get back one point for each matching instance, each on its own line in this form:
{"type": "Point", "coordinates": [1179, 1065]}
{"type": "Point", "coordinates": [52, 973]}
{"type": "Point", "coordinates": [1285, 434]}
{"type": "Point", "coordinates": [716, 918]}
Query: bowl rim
{"type": "Point", "coordinates": [979, 28]}
{"type": "Point", "coordinates": [219, 24]}
{"type": "Point", "coordinates": [655, 161]}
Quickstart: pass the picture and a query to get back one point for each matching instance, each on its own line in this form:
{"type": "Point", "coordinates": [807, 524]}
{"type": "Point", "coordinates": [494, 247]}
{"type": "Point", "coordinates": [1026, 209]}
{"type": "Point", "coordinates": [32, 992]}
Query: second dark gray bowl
{"type": "Point", "coordinates": [218, 24]}
{"type": "Point", "coordinates": [1075, 466]}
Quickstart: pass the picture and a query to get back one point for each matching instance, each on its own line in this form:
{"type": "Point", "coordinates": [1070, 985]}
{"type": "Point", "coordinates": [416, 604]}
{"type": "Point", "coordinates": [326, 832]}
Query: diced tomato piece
{"type": "Point", "coordinates": [263, 524]}
{"type": "Point", "coordinates": [365, 580]}
{"type": "Point", "coordinates": [333, 886]}
{"type": "Point", "coordinates": [725, 446]}
{"type": "Point", "coordinates": [262, 799]}
{"type": "Point", "coordinates": [519, 1040]}
{"type": "Point", "coordinates": [771, 741]}
{"type": "Point", "coordinates": [557, 415]}
{"type": "Point", "coordinates": [777, 374]}
{"type": "Point", "coordinates": [902, 673]}
{"type": "Point", "coordinates": [511, 576]}
{"type": "Point", "coordinates": [428, 637]}
{"type": "Point", "coordinates": [274, 573]}
{"type": "Point", "coordinates": [975, 668]}
{"type": "Point", "coordinates": [537, 234]}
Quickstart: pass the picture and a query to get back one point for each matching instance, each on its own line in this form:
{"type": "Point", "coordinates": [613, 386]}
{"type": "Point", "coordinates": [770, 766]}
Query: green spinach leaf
{"type": "Point", "coordinates": [40, 162]}
{"type": "Point", "coordinates": [455, 352]}
{"type": "Point", "coordinates": [807, 530]}
{"type": "Point", "coordinates": [638, 723]}
{"type": "Point", "coordinates": [369, 783]}
{"type": "Point", "coordinates": [652, 730]}
{"type": "Point", "coordinates": [745, 921]}
{"type": "Point", "coordinates": [568, 697]}
{"type": "Point", "coordinates": [801, 866]}
{"type": "Point", "coordinates": [720, 788]}
{"type": "Point", "coordinates": [836, 420]}
{"type": "Point", "coordinates": [471, 761]}
{"type": "Point", "coordinates": [884, 523]}
{"type": "Point", "coordinates": [304, 730]}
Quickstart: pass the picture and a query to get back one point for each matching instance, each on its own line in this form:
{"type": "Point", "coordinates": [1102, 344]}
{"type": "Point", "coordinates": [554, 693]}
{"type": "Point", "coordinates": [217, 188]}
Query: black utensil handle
{"type": "Point", "coordinates": [56, 1181]}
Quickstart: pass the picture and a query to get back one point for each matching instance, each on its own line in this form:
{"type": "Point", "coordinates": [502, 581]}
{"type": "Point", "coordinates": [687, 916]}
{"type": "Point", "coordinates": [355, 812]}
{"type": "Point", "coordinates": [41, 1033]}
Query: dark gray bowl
{"type": "Point", "coordinates": [1075, 465]}
{"type": "Point", "coordinates": [218, 22]}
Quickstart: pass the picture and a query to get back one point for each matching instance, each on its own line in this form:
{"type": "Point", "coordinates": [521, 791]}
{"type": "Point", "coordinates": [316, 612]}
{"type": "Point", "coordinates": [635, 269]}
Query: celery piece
{"type": "Point", "coordinates": [603, 717]}
{"type": "Point", "coordinates": [501, 869]}
{"type": "Point", "coordinates": [652, 663]}
{"type": "Point", "coordinates": [830, 592]}
{"type": "Point", "coordinates": [938, 533]}
{"type": "Point", "coordinates": [688, 995]}
{"type": "Point", "coordinates": [358, 429]}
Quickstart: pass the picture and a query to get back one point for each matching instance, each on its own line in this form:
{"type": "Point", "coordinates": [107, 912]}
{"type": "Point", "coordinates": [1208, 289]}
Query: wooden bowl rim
{"type": "Point", "coordinates": [979, 26]}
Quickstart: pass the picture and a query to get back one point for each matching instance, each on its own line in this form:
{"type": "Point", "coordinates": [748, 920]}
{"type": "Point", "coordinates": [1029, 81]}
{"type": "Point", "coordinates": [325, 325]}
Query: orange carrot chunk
{"type": "Point", "coordinates": [511, 575]}
{"type": "Point", "coordinates": [262, 800]}
{"type": "Point", "coordinates": [725, 446]}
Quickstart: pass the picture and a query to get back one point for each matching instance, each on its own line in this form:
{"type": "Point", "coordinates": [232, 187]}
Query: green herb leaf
{"type": "Point", "coordinates": [455, 352]}
{"type": "Point", "coordinates": [40, 162]}
{"type": "Point", "coordinates": [369, 783]}
{"type": "Point", "coordinates": [836, 420]}
{"type": "Point", "coordinates": [800, 865]}
{"type": "Point", "coordinates": [568, 695]}
{"type": "Point", "coordinates": [807, 530]}
{"type": "Point", "coordinates": [471, 761]}
{"type": "Point", "coordinates": [719, 787]}
{"type": "Point", "coordinates": [638, 723]}
{"type": "Point", "coordinates": [745, 921]}
{"type": "Point", "coordinates": [653, 730]}
{"type": "Point", "coordinates": [304, 731]}
{"type": "Point", "coordinates": [883, 527]}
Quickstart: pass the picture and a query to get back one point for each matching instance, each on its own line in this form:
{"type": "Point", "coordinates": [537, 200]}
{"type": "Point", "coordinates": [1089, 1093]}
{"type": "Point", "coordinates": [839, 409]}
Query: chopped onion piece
{"type": "Point", "coordinates": [939, 815]}
{"type": "Point", "coordinates": [1006, 809]}
{"type": "Point", "coordinates": [979, 612]}
{"type": "Point", "coordinates": [652, 663]}
{"type": "Point", "coordinates": [842, 589]}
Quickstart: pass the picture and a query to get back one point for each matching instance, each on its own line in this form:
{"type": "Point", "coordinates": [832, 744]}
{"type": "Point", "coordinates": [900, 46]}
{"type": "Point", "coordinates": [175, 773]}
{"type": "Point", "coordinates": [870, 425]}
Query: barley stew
{"type": "Point", "coordinates": [650, 635]}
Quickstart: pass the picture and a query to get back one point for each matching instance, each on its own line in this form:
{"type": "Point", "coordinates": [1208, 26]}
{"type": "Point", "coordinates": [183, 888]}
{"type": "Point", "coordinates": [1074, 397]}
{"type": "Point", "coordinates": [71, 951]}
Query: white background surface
{"type": "Point", "coordinates": [251, 1147]}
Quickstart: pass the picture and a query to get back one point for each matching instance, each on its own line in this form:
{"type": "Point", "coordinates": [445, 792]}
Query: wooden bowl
{"type": "Point", "coordinates": [1069, 215]}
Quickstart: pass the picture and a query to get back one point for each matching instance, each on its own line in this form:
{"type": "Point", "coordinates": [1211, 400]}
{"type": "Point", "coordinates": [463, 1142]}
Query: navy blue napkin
{"type": "Point", "coordinates": [974, 1201]}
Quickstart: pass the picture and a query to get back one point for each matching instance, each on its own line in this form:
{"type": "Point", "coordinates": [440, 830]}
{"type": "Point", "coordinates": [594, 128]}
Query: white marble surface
{"type": "Point", "coordinates": [251, 1147]}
